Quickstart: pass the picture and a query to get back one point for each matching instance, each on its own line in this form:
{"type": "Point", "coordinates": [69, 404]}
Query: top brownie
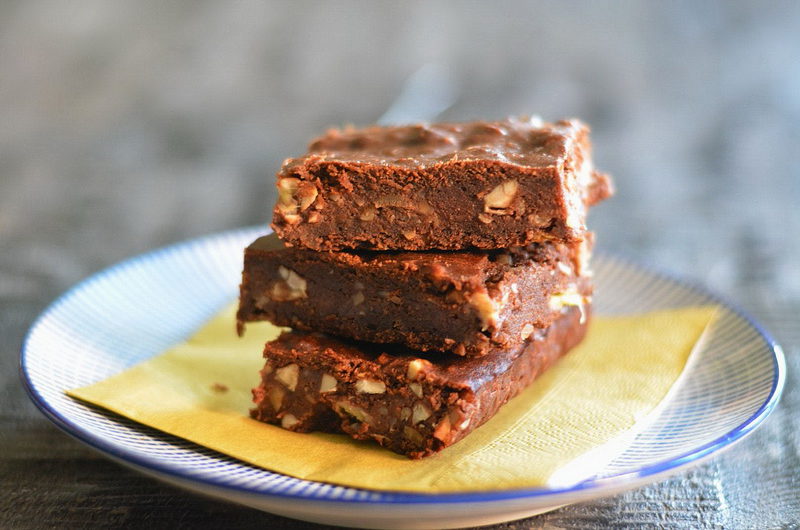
{"type": "Point", "coordinates": [445, 186]}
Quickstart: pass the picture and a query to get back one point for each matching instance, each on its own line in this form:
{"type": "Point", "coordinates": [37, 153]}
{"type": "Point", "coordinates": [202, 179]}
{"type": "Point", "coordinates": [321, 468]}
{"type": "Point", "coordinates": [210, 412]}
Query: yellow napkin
{"type": "Point", "coordinates": [592, 399]}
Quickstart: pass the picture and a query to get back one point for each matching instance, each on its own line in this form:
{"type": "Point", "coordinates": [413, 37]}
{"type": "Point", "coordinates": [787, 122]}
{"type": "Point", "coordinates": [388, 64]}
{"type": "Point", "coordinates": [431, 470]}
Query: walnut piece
{"type": "Point", "coordinates": [276, 398]}
{"type": "Point", "coordinates": [292, 286]}
{"type": "Point", "coordinates": [412, 434]}
{"type": "Point", "coordinates": [327, 384]}
{"type": "Point", "coordinates": [420, 413]}
{"type": "Point", "coordinates": [306, 195]}
{"type": "Point", "coordinates": [442, 430]}
{"type": "Point", "coordinates": [370, 386]}
{"type": "Point", "coordinates": [286, 190]}
{"type": "Point", "coordinates": [499, 199]}
{"type": "Point", "coordinates": [570, 297]}
{"type": "Point", "coordinates": [415, 367]}
{"type": "Point", "coordinates": [397, 201]}
{"type": "Point", "coordinates": [367, 214]}
{"type": "Point", "coordinates": [423, 207]}
{"type": "Point", "coordinates": [295, 196]}
{"type": "Point", "coordinates": [288, 375]}
{"type": "Point", "coordinates": [288, 421]}
{"type": "Point", "coordinates": [487, 309]}
{"type": "Point", "coordinates": [353, 410]}
{"type": "Point", "coordinates": [403, 202]}
{"type": "Point", "coordinates": [527, 331]}
{"type": "Point", "coordinates": [391, 296]}
{"type": "Point", "coordinates": [292, 218]}
{"type": "Point", "coordinates": [416, 388]}
{"type": "Point", "coordinates": [358, 298]}
{"type": "Point", "coordinates": [540, 220]}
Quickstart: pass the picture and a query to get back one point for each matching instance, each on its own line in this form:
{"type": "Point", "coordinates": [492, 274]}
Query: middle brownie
{"type": "Point", "coordinates": [469, 303]}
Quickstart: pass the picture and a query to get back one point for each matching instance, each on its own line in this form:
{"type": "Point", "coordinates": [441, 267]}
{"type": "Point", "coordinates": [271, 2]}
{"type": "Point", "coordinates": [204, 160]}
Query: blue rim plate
{"type": "Point", "coordinates": [138, 308]}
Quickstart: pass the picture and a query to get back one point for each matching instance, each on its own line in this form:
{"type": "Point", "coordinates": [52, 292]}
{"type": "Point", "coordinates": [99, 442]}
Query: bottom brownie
{"type": "Point", "coordinates": [412, 403]}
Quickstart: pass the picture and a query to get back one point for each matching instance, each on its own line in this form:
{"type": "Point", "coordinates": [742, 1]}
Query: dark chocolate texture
{"type": "Point", "coordinates": [468, 303]}
{"type": "Point", "coordinates": [487, 185]}
{"type": "Point", "coordinates": [412, 403]}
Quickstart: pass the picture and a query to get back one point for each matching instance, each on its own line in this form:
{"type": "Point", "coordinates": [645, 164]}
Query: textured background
{"type": "Point", "coordinates": [126, 126]}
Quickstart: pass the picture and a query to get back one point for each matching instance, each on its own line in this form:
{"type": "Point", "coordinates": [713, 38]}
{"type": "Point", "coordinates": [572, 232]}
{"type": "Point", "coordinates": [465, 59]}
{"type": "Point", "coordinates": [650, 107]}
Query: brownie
{"type": "Point", "coordinates": [447, 186]}
{"type": "Point", "coordinates": [468, 303]}
{"type": "Point", "coordinates": [412, 403]}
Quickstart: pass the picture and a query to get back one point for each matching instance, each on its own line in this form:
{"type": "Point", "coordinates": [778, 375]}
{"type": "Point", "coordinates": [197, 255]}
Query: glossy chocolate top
{"type": "Point", "coordinates": [519, 141]}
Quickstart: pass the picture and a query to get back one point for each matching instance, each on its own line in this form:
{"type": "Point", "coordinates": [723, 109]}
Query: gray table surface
{"type": "Point", "coordinates": [126, 126]}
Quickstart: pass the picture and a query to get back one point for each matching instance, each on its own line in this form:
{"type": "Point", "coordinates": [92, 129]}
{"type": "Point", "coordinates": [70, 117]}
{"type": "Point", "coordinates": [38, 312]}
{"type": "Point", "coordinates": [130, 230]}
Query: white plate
{"type": "Point", "coordinates": [140, 307]}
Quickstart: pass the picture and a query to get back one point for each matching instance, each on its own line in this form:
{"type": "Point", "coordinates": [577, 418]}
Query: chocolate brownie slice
{"type": "Point", "coordinates": [443, 186]}
{"type": "Point", "coordinates": [412, 403]}
{"type": "Point", "coordinates": [469, 303]}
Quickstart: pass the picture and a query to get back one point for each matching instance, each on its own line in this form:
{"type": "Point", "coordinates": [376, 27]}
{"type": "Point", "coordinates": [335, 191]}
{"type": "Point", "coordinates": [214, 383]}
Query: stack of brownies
{"type": "Point", "coordinates": [429, 273]}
